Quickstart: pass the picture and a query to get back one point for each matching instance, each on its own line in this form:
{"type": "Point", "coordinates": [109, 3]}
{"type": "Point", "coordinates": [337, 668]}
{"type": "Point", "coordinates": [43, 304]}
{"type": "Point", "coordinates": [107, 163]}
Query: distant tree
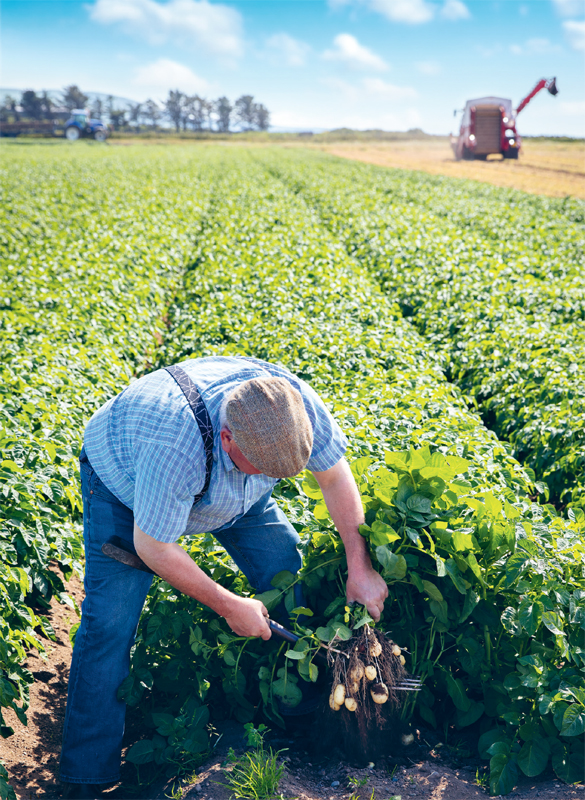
{"type": "Point", "coordinates": [194, 112]}
{"type": "Point", "coordinates": [223, 110]}
{"type": "Point", "coordinates": [117, 117]}
{"type": "Point", "coordinates": [47, 106]}
{"type": "Point", "coordinates": [97, 108]}
{"type": "Point", "coordinates": [174, 108]}
{"type": "Point", "coordinates": [32, 105]}
{"type": "Point", "coordinates": [134, 113]}
{"type": "Point", "coordinates": [261, 117]}
{"type": "Point", "coordinates": [10, 108]}
{"type": "Point", "coordinates": [245, 113]}
{"type": "Point", "coordinates": [73, 97]}
{"type": "Point", "coordinates": [152, 112]}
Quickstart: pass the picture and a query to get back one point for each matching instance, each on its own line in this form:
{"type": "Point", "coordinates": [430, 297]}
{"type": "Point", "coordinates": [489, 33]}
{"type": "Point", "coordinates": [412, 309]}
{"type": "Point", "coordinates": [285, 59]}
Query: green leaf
{"type": "Point", "coordinates": [573, 720]}
{"type": "Point", "coordinates": [455, 575]}
{"type": "Point", "coordinates": [503, 774]}
{"type": "Point", "coordinates": [432, 591]}
{"type": "Point", "coordinates": [554, 622]}
{"type": "Point", "coordinates": [530, 615]}
{"type": "Point", "coordinates": [568, 764]}
{"type": "Point", "coordinates": [394, 566]}
{"type": "Point", "coordinates": [141, 753]}
{"type": "Point", "coordinates": [533, 757]}
{"type": "Point", "coordinates": [457, 693]}
{"type": "Point", "coordinates": [469, 717]}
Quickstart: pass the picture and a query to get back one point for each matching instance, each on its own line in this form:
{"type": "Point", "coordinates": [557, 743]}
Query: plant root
{"type": "Point", "coordinates": [371, 730]}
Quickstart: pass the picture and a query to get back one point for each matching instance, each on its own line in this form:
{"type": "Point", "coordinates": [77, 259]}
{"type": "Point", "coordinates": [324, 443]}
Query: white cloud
{"type": "Point", "coordinates": [534, 47]}
{"type": "Point", "coordinates": [192, 24]}
{"type": "Point", "coordinates": [454, 10]}
{"type": "Point", "coordinates": [377, 86]}
{"type": "Point", "coordinates": [339, 85]}
{"type": "Point", "coordinates": [428, 67]}
{"type": "Point", "coordinates": [575, 33]}
{"type": "Point", "coordinates": [569, 8]}
{"type": "Point", "coordinates": [413, 12]}
{"type": "Point", "coordinates": [165, 75]}
{"type": "Point", "coordinates": [350, 52]}
{"type": "Point", "coordinates": [292, 51]}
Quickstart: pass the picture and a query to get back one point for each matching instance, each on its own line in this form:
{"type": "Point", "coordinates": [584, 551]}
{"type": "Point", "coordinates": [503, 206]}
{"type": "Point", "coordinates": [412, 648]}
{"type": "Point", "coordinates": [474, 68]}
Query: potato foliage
{"type": "Point", "coordinates": [117, 264]}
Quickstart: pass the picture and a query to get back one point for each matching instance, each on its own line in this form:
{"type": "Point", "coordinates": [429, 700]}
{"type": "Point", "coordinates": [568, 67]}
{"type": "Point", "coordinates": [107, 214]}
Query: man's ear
{"type": "Point", "coordinates": [226, 438]}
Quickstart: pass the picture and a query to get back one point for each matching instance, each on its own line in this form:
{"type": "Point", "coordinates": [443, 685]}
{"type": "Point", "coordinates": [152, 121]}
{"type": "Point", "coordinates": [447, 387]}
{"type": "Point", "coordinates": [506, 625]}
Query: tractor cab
{"type": "Point", "coordinates": [80, 124]}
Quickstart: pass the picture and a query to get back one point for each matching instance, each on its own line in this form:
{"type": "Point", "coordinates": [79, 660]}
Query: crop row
{"type": "Point", "coordinates": [486, 587]}
{"type": "Point", "coordinates": [494, 281]}
{"type": "Point", "coordinates": [90, 249]}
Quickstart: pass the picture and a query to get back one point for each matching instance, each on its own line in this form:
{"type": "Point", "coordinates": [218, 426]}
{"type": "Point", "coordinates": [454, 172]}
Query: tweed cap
{"type": "Point", "coordinates": [270, 425]}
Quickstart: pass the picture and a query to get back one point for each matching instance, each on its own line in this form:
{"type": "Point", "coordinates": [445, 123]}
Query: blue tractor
{"type": "Point", "coordinates": [80, 124]}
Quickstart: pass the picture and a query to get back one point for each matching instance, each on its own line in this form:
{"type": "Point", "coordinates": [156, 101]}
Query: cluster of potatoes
{"type": "Point", "coordinates": [342, 696]}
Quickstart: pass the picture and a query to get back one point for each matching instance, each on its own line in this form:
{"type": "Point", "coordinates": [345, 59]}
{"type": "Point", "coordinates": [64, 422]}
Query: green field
{"type": "Point", "coordinates": [442, 321]}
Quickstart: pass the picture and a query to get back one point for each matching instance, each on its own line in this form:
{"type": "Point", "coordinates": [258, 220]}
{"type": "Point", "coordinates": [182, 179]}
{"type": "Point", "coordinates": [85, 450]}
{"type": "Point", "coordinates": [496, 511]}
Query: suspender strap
{"type": "Point", "coordinates": [199, 410]}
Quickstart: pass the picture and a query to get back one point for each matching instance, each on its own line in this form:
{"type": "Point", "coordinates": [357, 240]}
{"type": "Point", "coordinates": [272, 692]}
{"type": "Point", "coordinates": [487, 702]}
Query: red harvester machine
{"type": "Point", "coordinates": [489, 125]}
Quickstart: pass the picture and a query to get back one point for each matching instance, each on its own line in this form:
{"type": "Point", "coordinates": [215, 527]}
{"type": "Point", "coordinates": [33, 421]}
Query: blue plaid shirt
{"type": "Point", "coordinates": [146, 447]}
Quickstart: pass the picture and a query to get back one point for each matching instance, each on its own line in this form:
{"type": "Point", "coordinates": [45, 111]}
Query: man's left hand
{"type": "Point", "coordinates": [367, 587]}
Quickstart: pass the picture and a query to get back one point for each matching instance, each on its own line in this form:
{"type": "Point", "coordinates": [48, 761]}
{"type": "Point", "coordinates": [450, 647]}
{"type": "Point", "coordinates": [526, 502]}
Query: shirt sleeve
{"type": "Point", "coordinates": [166, 483]}
{"type": "Point", "coordinates": [329, 441]}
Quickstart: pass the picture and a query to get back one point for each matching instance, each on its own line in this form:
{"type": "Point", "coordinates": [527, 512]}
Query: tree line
{"type": "Point", "coordinates": [183, 111]}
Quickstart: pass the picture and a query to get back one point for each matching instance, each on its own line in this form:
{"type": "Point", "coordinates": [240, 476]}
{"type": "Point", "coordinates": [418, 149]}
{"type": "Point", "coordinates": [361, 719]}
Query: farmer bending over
{"type": "Point", "coordinates": [194, 448]}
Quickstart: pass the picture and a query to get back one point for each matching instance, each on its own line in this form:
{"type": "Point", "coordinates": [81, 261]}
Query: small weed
{"type": "Point", "coordinates": [256, 774]}
{"type": "Point", "coordinates": [482, 778]}
{"type": "Point", "coordinates": [357, 782]}
{"type": "Point", "coordinates": [176, 792]}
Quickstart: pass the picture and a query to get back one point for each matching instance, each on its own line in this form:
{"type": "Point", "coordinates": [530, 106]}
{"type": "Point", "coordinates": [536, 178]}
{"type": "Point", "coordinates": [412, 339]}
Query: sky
{"type": "Point", "coordinates": [316, 64]}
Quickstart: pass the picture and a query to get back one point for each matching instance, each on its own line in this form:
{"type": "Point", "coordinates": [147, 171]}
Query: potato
{"type": "Point", "coordinates": [332, 704]}
{"type": "Point", "coordinates": [396, 651]}
{"type": "Point", "coordinates": [379, 692]}
{"type": "Point", "coordinates": [375, 648]}
{"type": "Point", "coordinates": [350, 704]}
{"type": "Point", "coordinates": [402, 660]}
{"type": "Point", "coordinates": [357, 672]}
{"type": "Point", "coordinates": [371, 673]}
{"type": "Point", "coordinates": [339, 694]}
{"type": "Point", "coordinates": [407, 738]}
{"type": "Point", "coordinates": [354, 687]}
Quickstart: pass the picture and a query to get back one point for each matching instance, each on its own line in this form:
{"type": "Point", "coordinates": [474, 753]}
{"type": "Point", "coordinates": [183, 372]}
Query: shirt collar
{"type": "Point", "coordinates": [228, 464]}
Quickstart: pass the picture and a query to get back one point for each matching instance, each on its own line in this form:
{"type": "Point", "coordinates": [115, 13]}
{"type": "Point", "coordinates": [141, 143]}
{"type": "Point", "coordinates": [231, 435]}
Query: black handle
{"type": "Point", "coordinates": [285, 634]}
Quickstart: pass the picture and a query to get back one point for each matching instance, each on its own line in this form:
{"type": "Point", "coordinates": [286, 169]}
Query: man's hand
{"type": "Point", "coordinates": [367, 587]}
{"type": "Point", "coordinates": [244, 615]}
{"type": "Point", "coordinates": [248, 617]}
{"type": "Point", "coordinates": [364, 584]}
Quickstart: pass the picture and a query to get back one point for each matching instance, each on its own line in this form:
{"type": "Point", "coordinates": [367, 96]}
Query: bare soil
{"type": "Point", "coordinates": [425, 771]}
{"type": "Point", "coordinates": [556, 169]}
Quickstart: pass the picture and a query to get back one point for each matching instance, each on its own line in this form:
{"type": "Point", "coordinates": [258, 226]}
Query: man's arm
{"type": "Point", "coordinates": [364, 584]}
{"type": "Point", "coordinates": [244, 615]}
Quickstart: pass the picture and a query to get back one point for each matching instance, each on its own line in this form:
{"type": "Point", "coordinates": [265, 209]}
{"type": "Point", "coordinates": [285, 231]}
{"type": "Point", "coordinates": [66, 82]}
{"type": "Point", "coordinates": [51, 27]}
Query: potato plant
{"type": "Point", "coordinates": [483, 580]}
{"type": "Point", "coordinates": [115, 264]}
{"type": "Point", "coordinates": [90, 249]}
{"type": "Point", "coordinates": [493, 279]}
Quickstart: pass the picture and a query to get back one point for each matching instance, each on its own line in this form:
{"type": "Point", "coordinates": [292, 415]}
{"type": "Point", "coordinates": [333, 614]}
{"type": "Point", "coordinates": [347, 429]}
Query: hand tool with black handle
{"type": "Point", "coordinates": [121, 550]}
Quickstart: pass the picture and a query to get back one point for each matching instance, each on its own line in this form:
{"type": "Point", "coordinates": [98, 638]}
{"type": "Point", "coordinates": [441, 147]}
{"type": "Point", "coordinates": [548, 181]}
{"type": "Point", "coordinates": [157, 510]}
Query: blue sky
{"type": "Point", "coordinates": [392, 64]}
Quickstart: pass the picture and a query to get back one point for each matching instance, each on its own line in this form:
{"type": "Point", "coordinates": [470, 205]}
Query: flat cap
{"type": "Point", "coordinates": [270, 425]}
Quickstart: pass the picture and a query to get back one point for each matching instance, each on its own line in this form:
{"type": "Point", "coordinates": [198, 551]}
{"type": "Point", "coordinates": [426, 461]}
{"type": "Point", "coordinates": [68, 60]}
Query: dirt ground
{"type": "Point", "coordinates": [556, 169]}
{"type": "Point", "coordinates": [425, 771]}
{"type": "Point", "coordinates": [418, 773]}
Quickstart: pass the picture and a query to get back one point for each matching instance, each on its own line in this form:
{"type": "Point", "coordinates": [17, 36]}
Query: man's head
{"type": "Point", "coordinates": [267, 429]}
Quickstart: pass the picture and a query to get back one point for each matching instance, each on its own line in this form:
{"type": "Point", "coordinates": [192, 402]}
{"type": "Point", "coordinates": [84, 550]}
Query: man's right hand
{"type": "Point", "coordinates": [248, 617]}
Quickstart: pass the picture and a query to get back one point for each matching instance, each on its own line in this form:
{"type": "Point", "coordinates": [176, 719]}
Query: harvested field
{"type": "Point", "coordinates": [551, 168]}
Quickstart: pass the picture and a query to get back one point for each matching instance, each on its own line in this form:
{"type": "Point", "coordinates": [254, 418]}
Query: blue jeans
{"type": "Point", "coordinates": [262, 543]}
